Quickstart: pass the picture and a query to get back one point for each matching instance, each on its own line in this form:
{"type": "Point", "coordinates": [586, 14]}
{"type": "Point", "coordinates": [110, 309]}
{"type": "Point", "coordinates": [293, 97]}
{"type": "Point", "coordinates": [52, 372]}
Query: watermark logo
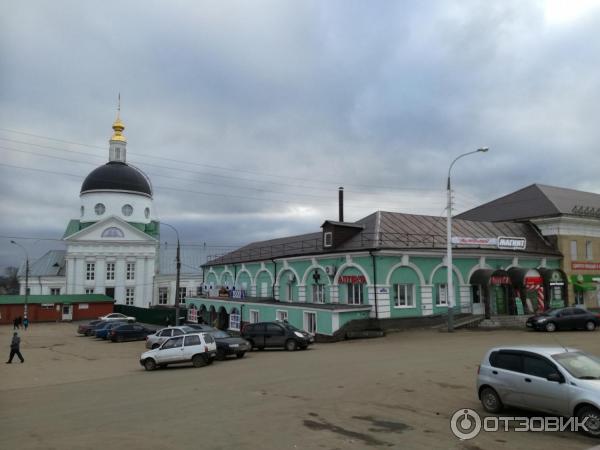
{"type": "Point", "coordinates": [467, 424]}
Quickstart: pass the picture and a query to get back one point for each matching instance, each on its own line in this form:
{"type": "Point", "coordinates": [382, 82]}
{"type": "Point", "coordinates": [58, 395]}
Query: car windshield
{"type": "Point", "coordinates": [580, 365]}
{"type": "Point", "coordinates": [290, 327]}
{"type": "Point", "coordinates": [187, 329]}
{"type": "Point", "coordinates": [219, 334]}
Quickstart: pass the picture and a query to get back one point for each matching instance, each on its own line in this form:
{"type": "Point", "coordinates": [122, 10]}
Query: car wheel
{"type": "Point", "coordinates": [220, 355]}
{"type": "Point", "coordinates": [199, 361]}
{"type": "Point", "coordinates": [550, 327]}
{"type": "Point", "coordinates": [208, 360]}
{"type": "Point", "coordinates": [592, 417]}
{"type": "Point", "coordinates": [240, 355]}
{"type": "Point", "coordinates": [251, 343]}
{"type": "Point", "coordinates": [590, 326]}
{"type": "Point", "coordinates": [291, 345]}
{"type": "Point", "coordinates": [491, 400]}
{"type": "Point", "coordinates": [155, 346]}
{"type": "Point", "coordinates": [149, 364]}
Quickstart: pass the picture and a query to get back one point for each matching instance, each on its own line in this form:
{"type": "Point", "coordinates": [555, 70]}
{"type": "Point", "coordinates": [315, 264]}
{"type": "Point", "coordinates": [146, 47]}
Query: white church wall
{"type": "Point", "coordinates": [113, 206]}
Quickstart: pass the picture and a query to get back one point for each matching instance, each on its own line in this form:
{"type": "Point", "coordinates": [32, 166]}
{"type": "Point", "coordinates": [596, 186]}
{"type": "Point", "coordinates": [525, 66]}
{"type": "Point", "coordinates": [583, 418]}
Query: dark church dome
{"type": "Point", "coordinates": [117, 176]}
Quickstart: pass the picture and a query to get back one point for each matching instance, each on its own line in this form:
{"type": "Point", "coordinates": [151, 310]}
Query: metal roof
{"type": "Point", "coordinates": [39, 299]}
{"type": "Point", "coordinates": [388, 230]}
{"type": "Point", "coordinates": [52, 264]}
{"type": "Point", "coordinates": [535, 201]}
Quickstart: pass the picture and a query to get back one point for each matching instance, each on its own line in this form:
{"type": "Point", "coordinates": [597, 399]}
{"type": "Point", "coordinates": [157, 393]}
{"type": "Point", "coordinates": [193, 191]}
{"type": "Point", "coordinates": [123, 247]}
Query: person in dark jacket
{"type": "Point", "coordinates": [16, 323]}
{"type": "Point", "coordinates": [14, 348]}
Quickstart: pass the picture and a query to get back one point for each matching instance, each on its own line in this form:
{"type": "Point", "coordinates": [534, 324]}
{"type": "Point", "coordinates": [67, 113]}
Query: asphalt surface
{"type": "Point", "coordinates": [400, 391]}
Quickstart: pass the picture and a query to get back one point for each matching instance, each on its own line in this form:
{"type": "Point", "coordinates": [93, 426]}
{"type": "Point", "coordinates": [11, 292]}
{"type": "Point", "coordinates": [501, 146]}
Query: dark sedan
{"type": "Point", "coordinates": [129, 332]}
{"type": "Point", "coordinates": [229, 345]}
{"type": "Point", "coordinates": [85, 328]}
{"type": "Point", "coordinates": [570, 318]}
{"type": "Point", "coordinates": [103, 331]}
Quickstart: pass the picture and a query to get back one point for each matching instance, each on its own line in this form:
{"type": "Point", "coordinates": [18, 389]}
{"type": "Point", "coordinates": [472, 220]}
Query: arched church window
{"type": "Point", "coordinates": [127, 210]}
{"type": "Point", "coordinates": [99, 209]}
{"type": "Point", "coordinates": [147, 212]}
{"type": "Point", "coordinates": [113, 232]}
{"type": "Point", "coordinates": [82, 210]}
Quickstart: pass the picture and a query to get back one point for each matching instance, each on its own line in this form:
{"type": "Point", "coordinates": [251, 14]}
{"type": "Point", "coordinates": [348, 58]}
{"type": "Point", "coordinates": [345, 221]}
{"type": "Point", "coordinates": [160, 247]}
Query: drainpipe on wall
{"type": "Point", "coordinates": [203, 281]}
{"type": "Point", "coordinates": [274, 277]}
{"type": "Point", "coordinates": [374, 282]}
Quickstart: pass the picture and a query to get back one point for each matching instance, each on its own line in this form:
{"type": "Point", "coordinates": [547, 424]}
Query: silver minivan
{"type": "Point", "coordinates": [554, 380]}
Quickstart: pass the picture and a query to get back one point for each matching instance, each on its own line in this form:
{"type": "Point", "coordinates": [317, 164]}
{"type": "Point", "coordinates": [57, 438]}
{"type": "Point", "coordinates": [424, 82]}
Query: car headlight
{"type": "Point", "coordinates": [297, 333]}
{"type": "Point", "coordinates": [542, 319]}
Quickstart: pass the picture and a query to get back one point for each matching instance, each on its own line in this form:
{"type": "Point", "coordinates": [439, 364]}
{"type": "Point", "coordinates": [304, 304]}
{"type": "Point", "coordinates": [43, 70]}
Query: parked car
{"type": "Point", "coordinates": [84, 328]}
{"type": "Point", "coordinates": [198, 348]}
{"type": "Point", "coordinates": [554, 380]}
{"type": "Point", "coordinates": [99, 325]}
{"type": "Point", "coordinates": [200, 326]}
{"type": "Point", "coordinates": [156, 339]}
{"type": "Point", "coordinates": [570, 318]}
{"type": "Point", "coordinates": [117, 316]}
{"type": "Point", "coordinates": [102, 332]}
{"type": "Point", "coordinates": [229, 345]}
{"type": "Point", "coordinates": [129, 332]}
{"type": "Point", "coordinates": [276, 334]}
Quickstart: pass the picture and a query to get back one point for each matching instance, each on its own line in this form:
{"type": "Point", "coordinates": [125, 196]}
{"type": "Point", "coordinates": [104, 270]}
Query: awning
{"type": "Point", "coordinates": [485, 277]}
{"type": "Point", "coordinates": [585, 287]}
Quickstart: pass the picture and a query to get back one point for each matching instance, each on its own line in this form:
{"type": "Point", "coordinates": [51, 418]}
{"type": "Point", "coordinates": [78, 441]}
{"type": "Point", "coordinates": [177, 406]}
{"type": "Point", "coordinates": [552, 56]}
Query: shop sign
{"type": "Point", "coordinates": [352, 279]}
{"type": "Point", "coordinates": [534, 280]}
{"type": "Point", "coordinates": [556, 279]}
{"type": "Point", "coordinates": [584, 265]}
{"type": "Point", "coordinates": [512, 243]}
{"type": "Point", "coordinates": [47, 305]}
{"type": "Point", "coordinates": [192, 315]}
{"type": "Point", "coordinates": [473, 241]}
{"type": "Point", "coordinates": [500, 279]}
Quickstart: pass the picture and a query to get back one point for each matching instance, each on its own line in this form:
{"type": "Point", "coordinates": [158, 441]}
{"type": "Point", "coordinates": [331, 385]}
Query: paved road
{"type": "Point", "coordinates": [396, 392]}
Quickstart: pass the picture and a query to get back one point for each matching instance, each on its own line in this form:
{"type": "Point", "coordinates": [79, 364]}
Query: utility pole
{"type": "Point", "coordinates": [26, 277]}
{"type": "Point", "coordinates": [177, 276]}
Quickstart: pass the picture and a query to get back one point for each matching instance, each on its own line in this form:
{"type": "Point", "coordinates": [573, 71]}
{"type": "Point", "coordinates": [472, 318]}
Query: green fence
{"type": "Point", "coordinates": [154, 316]}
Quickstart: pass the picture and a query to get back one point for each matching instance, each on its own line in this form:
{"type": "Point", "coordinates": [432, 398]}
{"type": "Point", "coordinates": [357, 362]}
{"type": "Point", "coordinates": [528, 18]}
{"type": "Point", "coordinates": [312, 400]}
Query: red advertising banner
{"type": "Point", "coordinates": [585, 265]}
{"type": "Point", "coordinates": [500, 279]}
{"type": "Point", "coordinates": [534, 280]}
{"type": "Point", "coordinates": [352, 279]}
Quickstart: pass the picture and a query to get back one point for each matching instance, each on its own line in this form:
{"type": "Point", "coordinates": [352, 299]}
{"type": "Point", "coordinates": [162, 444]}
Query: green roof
{"type": "Point", "coordinates": [39, 299]}
{"type": "Point", "coordinates": [151, 229]}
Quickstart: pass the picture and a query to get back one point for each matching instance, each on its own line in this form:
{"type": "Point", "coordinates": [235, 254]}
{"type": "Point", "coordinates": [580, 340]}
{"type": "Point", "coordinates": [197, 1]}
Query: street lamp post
{"type": "Point", "coordinates": [178, 262]}
{"type": "Point", "coordinates": [26, 276]}
{"type": "Point", "coordinates": [450, 284]}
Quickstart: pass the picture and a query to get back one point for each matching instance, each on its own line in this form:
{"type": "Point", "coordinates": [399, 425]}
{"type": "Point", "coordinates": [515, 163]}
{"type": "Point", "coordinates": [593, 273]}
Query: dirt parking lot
{"type": "Point", "coordinates": [75, 392]}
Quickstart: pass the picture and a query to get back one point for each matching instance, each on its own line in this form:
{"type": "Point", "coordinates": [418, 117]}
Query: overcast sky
{"type": "Point", "coordinates": [248, 115]}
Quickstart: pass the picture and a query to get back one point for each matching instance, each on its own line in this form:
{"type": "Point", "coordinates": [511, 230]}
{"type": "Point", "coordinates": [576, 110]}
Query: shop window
{"type": "Point", "coordinates": [254, 316]}
{"type": "Point", "coordinates": [442, 295]}
{"type": "Point", "coordinates": [574, 250]}
{"type": "Point", "coordinates": [355, 293]}
{"type": "Point", "coordinates": [234, 320]}
{"type": "Point", "coordinates": [404, 295]}
{"type": "Point", "coordinates": [282, 316]}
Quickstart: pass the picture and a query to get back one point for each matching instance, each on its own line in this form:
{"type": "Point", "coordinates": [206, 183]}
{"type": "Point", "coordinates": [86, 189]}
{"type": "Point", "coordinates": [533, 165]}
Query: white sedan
{"type": "Point", "coordinates": [117, 316]}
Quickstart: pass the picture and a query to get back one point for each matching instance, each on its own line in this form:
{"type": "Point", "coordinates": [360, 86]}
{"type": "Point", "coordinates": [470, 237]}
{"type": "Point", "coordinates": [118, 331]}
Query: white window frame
{"type": "Point", "coordinates": [328, 239]}
{"type": "Point", "coordinates": [129, 296]}
{"type": "Point", "coordinates": [235, 321]}
{"type": "Point", "coordinates": [90, 271]}
{"type": "Point", "coordinates": [89, 291]}
{"type": "Point", "coordinates": [130, 271]}
{"type": "Point", "coordinates": [182, 290]}
{"type": "Point", "coordinates": [305, 321]}
{"type": "Point", "coordinates": [289, 292]}
{"type": "Point", "coordinates": [573, 248]}
{"type": "Point", "coordinates": [318, 293]}
{"type": "Point", "coordinates": [163, 295]}
{"type": "Point", "coordinates": [589, 254]}
{"type": "Point", "coordinates": [254, 316]}
{"type": "Point", "coordinates": [281, 315]}
{"type": "Point", "coordinates": [110, 270]}
{"type": "Point", "coordinates": [441, 298]}
{"type": "Point", "coordinates": [409, 295]}
{"type": "Point", "coordinates": [54, 291]}
{"type": "Point", "coordinates": [355, 293]}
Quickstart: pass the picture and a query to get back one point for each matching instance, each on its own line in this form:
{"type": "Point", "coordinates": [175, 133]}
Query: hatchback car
{"type": "Point", "coordinates": [103, 331]}
{"type": "Point", "coordinates": [156, 339]}
{"type": "Point", "coordinates": [129, 332]}
{"type": "Point", "coordinates": [553, 380]}
{"type": "Point", "coordinates": [276, 334]}
{"type": "Point", "coordinates": [198, 348]}
{"type": "Point", "coordinates": [571, 318]}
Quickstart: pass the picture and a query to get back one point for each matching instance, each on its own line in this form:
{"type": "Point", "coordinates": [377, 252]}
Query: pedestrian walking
{"type": "Point", "coordinates": [25, 322]}
{"type": "Point", "coordinates": [16, 323]}
{"type": "Point", "coordinates": [19, 322]}
{"type": "Point", "coordinates": [14, 348]}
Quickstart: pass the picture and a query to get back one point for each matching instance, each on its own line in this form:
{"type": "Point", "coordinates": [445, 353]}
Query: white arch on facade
{"type": "Point", "coordinates": [410, 266]}
{"type": "Point", "coordinates": [223, 274]}
{"type": "Point", "coordinates": [211, 271]}
{"type": "Point", "coordinates": [351, 264]}
{"type": "Point", "coordinates": [284, 269]}
{"type": "Point", "coordinates": [477, 267]}
{"type": "Point", "coordinates": [454, 269]}
{"type": "Point", "coordinates": [244, 270]}
{"type": "Point", "coordinates": [255, 280]}
{"type": "Point", "coordinates": [309, 269]}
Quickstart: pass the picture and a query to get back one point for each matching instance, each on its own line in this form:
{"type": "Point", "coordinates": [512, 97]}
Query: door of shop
{"type": "Point", "coordinates": [478, 294]}
{"type": "Point", "coordinates": [67, 312]}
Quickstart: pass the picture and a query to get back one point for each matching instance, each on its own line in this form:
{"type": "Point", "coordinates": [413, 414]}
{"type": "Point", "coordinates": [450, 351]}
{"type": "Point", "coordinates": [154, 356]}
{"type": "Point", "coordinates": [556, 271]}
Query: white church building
{"type": "Point", "coordinates": [114, 247]}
